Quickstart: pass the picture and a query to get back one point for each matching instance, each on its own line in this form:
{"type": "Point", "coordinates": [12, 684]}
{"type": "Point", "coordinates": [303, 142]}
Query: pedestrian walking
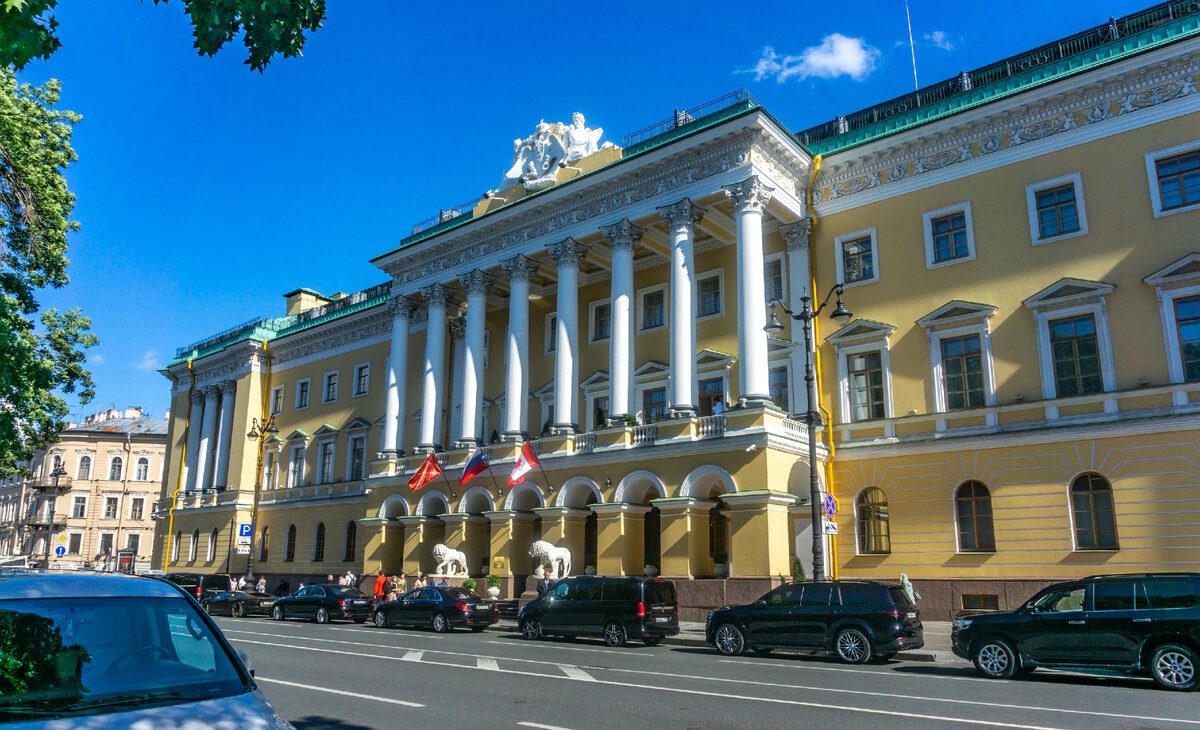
{"type": "Point", "coordinates": [329, 579]}
{"type": "Point", "coordinates": [380, 582]}
{"type": "Point", "coordinates": [348, 579]}
{"type": "Point", "coordinates": [241, 583]}
{"type": "Point", "coordinates": [402, 584]}
{"type": "Point", "coordinates": [420, 582]}
{"type": "Point", "coordinates": [261, 587]}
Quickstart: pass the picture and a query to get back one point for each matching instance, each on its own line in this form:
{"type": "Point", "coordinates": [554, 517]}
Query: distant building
{"type": "Point", "coordinates": [111, 473]}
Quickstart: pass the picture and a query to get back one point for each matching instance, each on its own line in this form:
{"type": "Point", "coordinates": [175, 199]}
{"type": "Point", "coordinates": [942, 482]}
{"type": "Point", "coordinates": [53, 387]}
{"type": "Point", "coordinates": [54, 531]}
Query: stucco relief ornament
{"type": "Point", "coordinates": [988, 145]}
{"type": "Point", "coordinates": [537, 158]}
{"type": "Point", "coordinates": [1098, 113]}
{"type": "Point", "coordinates": [579, 140]}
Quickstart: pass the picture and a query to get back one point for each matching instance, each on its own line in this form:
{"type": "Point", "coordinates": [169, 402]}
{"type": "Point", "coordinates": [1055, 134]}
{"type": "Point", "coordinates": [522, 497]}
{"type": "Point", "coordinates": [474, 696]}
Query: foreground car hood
{"type": "Point", "coordinates": [249, 710]}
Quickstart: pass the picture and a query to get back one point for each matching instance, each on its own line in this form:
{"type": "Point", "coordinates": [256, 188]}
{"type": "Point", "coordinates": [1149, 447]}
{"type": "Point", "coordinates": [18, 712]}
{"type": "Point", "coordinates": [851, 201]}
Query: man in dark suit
{"type": "Point", "coordinates": [544, 584]}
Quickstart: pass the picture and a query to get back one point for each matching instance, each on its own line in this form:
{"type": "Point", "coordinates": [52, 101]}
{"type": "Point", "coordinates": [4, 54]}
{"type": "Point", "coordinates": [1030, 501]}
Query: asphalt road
{"type": "Point", "coordinates": [349, 676]}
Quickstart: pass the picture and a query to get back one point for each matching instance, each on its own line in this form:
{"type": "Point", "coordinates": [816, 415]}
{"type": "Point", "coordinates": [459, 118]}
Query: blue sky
{"type": "Point", "coordinates": [206, 190]}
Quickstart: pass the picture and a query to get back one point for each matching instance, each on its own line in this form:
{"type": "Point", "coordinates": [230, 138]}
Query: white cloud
{"type": "Point", "coordinates": [149, 361]}
{"type": "Point", "coordinates": [95, 359]}
{"type": "Point", "coordinates": [940, 39]}
{"type": "Point", "coordinates": [837, 55]}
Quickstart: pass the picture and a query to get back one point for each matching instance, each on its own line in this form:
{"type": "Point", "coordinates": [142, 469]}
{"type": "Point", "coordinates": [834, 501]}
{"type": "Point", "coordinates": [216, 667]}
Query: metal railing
{"type": "Point", "coordinates": [683, 117]}
{"type": "Point", "coordinates": [446, 214]}
{"type": "Point", "coordinates": [585, 443]}
{"type": "Point", "coordinates": [710, 426]}
{"type": "Point", "coordinates": [357, 297]}
{"type": "Point", "coordinates": [64, 482]}
{"type": "Point", "coordinates": [645, 435]}
{"type": "Point", "coordinates": [224, 334]}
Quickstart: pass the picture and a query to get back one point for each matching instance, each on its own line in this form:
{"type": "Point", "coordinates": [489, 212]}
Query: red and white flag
{"type": "Point", "coordinates": [428, 471]}
{"type": "Point", "coordinates": [526, 461]}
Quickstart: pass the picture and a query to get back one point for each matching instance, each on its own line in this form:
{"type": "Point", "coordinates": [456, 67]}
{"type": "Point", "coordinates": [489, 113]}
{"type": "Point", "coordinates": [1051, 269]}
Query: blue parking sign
{"type": "Point", "coordinates": [244, 529]}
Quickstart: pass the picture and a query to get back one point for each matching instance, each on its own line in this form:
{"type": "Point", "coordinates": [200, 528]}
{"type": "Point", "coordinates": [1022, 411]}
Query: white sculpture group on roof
{"type": "Point", "coordinates": [537, 158]}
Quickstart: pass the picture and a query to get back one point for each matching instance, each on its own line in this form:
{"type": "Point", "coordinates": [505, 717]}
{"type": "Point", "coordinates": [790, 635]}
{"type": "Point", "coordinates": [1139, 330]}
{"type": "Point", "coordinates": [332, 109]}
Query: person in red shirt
{"type": "Point", "coordinates": [379, 583]}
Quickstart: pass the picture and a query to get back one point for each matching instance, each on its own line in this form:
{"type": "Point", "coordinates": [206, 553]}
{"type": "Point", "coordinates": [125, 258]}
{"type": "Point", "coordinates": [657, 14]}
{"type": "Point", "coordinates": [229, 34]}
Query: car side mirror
{"type": "Point", "coordinates": [761, 602]}
{"type": "Point", "coordinates": [245, 659]}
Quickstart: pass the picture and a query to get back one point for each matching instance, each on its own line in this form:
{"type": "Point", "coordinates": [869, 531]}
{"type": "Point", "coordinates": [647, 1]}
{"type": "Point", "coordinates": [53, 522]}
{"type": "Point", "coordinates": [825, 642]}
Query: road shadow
{"type": "Point", "coordinates": [318, 722]}
{"type": "Point", "coordinates": [591, 641]}
{"type": "Point", "coordinates": [1047, 677]}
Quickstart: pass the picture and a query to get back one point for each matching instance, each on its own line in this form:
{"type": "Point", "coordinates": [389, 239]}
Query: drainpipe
{"type": "Point", "coordinates": [124, 492]}
{"type": "Point", "coordinates": [182, 460]}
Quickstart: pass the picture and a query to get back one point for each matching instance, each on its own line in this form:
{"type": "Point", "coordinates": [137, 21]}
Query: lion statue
{"type": "Point", "coordinates": [552, 557]}
{"type": "Point", "coordinates": [448, 560]}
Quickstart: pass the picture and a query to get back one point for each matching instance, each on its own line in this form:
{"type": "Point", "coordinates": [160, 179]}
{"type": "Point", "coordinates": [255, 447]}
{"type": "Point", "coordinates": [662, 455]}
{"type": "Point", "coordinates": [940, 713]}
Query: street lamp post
{"type": "Point", "coordinates": [258, 432]}
{"type": "Point", "coordinates": [57, 474]}
{"type": "Point", "coordinates": [807, 314]}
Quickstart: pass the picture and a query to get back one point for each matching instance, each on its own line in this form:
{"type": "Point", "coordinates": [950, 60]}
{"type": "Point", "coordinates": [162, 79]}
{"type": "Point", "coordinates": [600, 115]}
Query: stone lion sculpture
{"type": "Point", "coordinates": [449, 560]}
{"type": "Point", "coordinates": [552, 557]}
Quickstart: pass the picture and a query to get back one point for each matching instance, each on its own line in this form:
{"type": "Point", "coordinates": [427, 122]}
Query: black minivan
{"type": "Point", "coordinates": [200, 585]}
{"type": "Point", "coordinates": [1131, 624]}
{"type": "Point", "coordinates": [615, 607]}
{"type": "Point", "coordinates": [854, 619]}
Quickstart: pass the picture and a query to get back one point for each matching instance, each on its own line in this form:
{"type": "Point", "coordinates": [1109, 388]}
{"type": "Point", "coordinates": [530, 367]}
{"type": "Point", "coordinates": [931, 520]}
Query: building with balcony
{"type": "Point", "coordinates": [110, 473]}
{"type": "Point", "coordinates": [1016, 400]}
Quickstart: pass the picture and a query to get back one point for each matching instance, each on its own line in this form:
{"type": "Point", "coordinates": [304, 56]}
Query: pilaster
{"type": "Point", "coordinates": [620, 538]}
{"type": "Point", "coordinates": [511, 536]}
{"type": "Point", "coordinates": [685, 548]}
{"type": "Point", "coordinates": [420, 535]}
{"type": "Point", "coordinates": [759, 533]}
{"type": "Point", "coordinates": [468, 533]}
{"type": "Point", "coordinates": [564, 527]}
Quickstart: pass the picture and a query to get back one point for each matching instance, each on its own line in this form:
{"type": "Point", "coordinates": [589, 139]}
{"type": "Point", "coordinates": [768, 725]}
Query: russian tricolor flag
{"type": "Point", "coordinates": [475, 466]}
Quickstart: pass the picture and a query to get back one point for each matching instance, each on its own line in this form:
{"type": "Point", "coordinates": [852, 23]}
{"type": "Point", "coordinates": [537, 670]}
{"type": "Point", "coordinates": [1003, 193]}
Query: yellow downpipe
{"type": "Point", "coordinates": [187, 424]}
{"type": "Point", "coordinates": [825, 414]}
{"type": "Point", "coordinates": [262, 443]}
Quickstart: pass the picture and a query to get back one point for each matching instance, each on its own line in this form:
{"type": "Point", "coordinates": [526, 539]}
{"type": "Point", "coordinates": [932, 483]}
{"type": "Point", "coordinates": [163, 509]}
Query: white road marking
{"type": "Point", "coordinates": [412, 656]}
{"type": "Point", "coordinates": [486, 663]}
{"type": "Point", "coordinates": [540, 725]}
{"type": "Point", "coordinates": [727, 680]}
{"type": "Point", "coordinates": [816, 667]}
{"type": "Point", "coordinates": [575, 672]}
{"type": "Point", "coordinates": [339, 692]}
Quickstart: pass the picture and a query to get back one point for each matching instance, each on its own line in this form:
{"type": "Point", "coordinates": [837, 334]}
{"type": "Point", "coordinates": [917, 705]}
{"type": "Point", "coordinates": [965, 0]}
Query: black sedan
{"type": "Point", "coordinates": [440, 608]}
{"type": "Point", "coordinates": [323, 604]}
{"type": "Point", "coordinates": [239, 603]}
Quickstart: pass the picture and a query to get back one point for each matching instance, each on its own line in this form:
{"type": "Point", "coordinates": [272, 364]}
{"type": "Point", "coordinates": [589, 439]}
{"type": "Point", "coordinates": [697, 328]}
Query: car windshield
{"type": "Point", "coordinates": [71, 657]}
{"type": "Point", "coordinates": [347, 593]}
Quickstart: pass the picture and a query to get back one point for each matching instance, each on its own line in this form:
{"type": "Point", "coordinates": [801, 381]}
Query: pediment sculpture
{"type": "Point", "coordinates": [536, 158]}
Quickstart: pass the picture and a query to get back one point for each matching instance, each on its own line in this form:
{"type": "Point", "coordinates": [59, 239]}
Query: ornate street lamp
{"type": "Point", "coordinates": [259, 433]}
{"type": "Point", "coordinates": [840, 315]}
{"type": "Point", "coordinates": [57, 474]}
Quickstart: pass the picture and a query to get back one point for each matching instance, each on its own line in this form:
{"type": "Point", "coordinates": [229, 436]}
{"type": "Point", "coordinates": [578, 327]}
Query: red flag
{"type": "Point", "coordinates": [526, 461]}
{"type": "Point", "coordinates": [427, 473]}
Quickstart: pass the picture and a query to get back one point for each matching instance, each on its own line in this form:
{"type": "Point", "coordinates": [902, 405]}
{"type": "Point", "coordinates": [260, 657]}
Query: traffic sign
{"type": "Point", "coordinates": [244, 529]}
{"type": "Point", "coordinates": [830, 527]}
{"type": "Point", "coordinates": [243, 550]}
{"type": "Point", "coordinates": [830, 505]}
{"type": "Point", "coordinates": [243, 541]}
{"type": "Point", "coordinates": [61, 537]}
{"type": "Point", "coordinates": [60, 551]}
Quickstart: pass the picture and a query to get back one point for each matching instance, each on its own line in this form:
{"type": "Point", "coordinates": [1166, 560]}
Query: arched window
{"type": "Point", "coordinates": [973, 502]}
{"type": "Point", "coordinates": [1092, 507]}
{"type": "Point", "coordinates": [212, 544]}
{"type": "Point", "coordinates": [319, 545]}
{"type": "Point", "coordinates": [351, 541]}
{"type": "Point", "coordinates": [85, 467]}
{"type": "Point", "coordinates": [262, 543]}
{"type": "Point", "coordinates": [874, 533]}
{"type": "Point", "coordinates": [193, 546]}
{"type": "Point", "coordinates": [175, 545]}
{"type": "Point", "coordinates": [289, 550]}
{"type": "Point", "coordinates": [143, 470]}
{"type": "Point", "coordinates": [114, 469]}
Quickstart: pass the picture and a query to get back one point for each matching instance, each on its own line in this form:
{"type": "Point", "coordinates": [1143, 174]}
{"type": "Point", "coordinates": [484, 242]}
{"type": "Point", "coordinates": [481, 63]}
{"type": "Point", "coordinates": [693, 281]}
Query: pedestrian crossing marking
{"type": "Point", "coordinates": [413, 656]}
{"type": "Point", "coordinates": [486, 663]}
{"type": "Point", "coordinates": [576, 673]}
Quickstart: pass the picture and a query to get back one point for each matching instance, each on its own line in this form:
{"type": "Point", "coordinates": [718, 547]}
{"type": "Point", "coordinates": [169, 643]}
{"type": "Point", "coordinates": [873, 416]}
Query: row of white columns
{"type": "Point", "coordinates": [209, 436]}
{"type": "Point", "coordinates": [749, 198]}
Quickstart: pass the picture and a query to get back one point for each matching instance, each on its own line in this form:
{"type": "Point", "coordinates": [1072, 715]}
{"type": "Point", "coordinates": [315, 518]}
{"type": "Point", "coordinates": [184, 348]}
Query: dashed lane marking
{"type": "Point", "coordinates": [412, 656]}
{"type": "Point", "coordinates": [339, 692]}
{"type": "Point", "coordinates": [486, 663]}
{"type": "Point", "coordinates": [576, 673]}
{"type": "Point", "coordinates": [540, 725]}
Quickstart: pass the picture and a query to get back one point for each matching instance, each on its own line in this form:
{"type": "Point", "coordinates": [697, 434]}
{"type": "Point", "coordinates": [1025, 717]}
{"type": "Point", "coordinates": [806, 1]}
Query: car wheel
{"type": "Point", "coordinates": [380, 619]}
{"type": "Point", "coordinates": [1174, 667]}
{"type": "Point", "coordinates": [322, 615]}
{"type": "Point", "coordinates": [236, 610]}
{"type": "Point", "coordinates": [531, 629]}
{"type": "Point", "coordinates": [614, 634]}
{"type": "Point", "coordinates": [440, 624]}
{"type": "Point", "coordinates": [852, 646]}
{"type": "Point", "coordinates": [995, 658]}
{"type": "Point", "coordinates": [652, 640]}
{"type": "Point", "coordinates": [729, 640]}
{"type": "Point", "coordinates": [277, 613]}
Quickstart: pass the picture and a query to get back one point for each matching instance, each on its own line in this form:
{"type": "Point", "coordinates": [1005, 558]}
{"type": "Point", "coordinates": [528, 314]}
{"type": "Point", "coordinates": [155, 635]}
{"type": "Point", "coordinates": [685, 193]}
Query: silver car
{"type": "Point", "coordinates": [105, 650]}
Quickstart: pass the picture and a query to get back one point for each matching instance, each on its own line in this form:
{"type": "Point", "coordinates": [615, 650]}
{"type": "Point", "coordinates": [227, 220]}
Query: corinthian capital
{"type": "Point", "coordinates": [436, 295]}
{"type": "Point", "coordinates": [476, 282]}
{"type": "Point", "coordinates": [458, 328]}
{"type": "Point", "coordinates": [622, 235]}
{"type": "Point", "coordinates": [568, 253]}
{"type": "Point", "coordinates": [519, 268]}
{"type": "Point", "coordinates": [684, 214]}
{"type": "Point", "coordinates": [213, 391]}
{"type": "Point", "coordinates": [198, 395]}
{"type": "Point", "coordinates": [749, 196]}
{"type": "Point", "coordinates": [228, 386]}
{"type": "Point", "coordinates": [795, 235]}
{"type": "Point", "coordinates": [401, 308]}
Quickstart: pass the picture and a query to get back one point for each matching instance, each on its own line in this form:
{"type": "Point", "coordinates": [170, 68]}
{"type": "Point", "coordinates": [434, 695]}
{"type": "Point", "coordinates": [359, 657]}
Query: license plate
{"type": "Point", "coordinates": [360, 603]}
{"type": "Point", "coordinates": [663, 619]}
{"type": "Point", "coordinates": [911, 614]}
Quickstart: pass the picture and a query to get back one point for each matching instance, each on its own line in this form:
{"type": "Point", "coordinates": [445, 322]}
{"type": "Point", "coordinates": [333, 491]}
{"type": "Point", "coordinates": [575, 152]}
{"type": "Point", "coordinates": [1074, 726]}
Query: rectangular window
{"type": "Point", "coordinates": [110, 508]}
{"type": "Point", "coordinates": [79, 508]}
{"type": "Point", "coordinates": [981, 602]}
{"type": "Point", "coordinates": [331, 383]}
{"type": "Point", "coordinates": [136, 508]}
{"type": "Point", "coordinates": [133, 541]}
{"type": "Point", "coordinates": [1056, 211]}
{"type": "Point", "coordinates": [362, 379]}
{"type": "Point", "coordinates": [779, 386]}
{"type": "Point", "coordinates": [326, 462]}
{"type": "Point", "coordinates": [74, 543]}
{"type": "Point", "coordinates": [599, 411]}
{"type": "Point", "coordinates": [1187, 318]}
{"type": "Point", "coordinates": [712, 392]}
{"type": "Point", "coordinates": [270, 477]}
{"type": "Point", "coordinates": [858, 260]}
{"type": "Point", "coordinates": [297, 468]}
{"type": "Point", "coordinates": [866, 386]}
{"type": "Point", "coordinates": [358, 452]}
{"type": "Point", "coordinates": [106, 544]}
{"type": "Point", "coordinates": [551, 332]}
{"type": "Point", "coordinates": [1076, 356]}
{"type": "Point", "coordinates": [654, 405]}
{"type": "Point", "coordinates": [773, 277]}
{"type": "Point", "coordinates": [302, 394]}
{"type": "Point", "coordinates": [708, 296]}
{"type": "Point", "coordinates": [653, 309]}
{"type": "Point", "coordinates": [962, 372]}
{"type": "Point", "coordinates": [950, 237]}
{"type": "Point", "coordinates": [277, 399]}
{"type": "Point", "coordinates": [1178, 180]}
{"type": "Point", "coordinates": [601, 322]}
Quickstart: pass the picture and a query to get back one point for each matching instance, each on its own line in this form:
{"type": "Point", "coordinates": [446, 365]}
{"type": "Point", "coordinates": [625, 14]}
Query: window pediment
{"type": "Point", "coordinates": [544, 392]}
{"type": "Point", "coordinates": [1182, 272]}
{"type": "Point", "coordinates": [356, 424]}
{"type": "Point", "coordinates": [957, 313]}
{"type": "Point", "coordinates": [600, 377]}
{"type": "Point", "coordinates": [1068, 292]}
{"type": "Point", "coordinates": [861, 331]}
{"type": "Point", "coordinates": [325, 431]}
{"type": "Point", "coordinates": [652, 369]}
{"type": "Point", "coordinates": [298, 435]}
{"type": "Point", "coordinates": [709, 360]}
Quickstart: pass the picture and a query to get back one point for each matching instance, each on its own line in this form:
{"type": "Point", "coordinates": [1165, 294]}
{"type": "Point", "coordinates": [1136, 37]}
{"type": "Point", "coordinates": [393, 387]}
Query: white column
{"type": "Point", "coordinates": [434, 393]}
{"type": "Point", "coordinates": [477, 284]}
{"type": "Point", "coordinates": [195, 420]}
{"type": "Point", "coordinates": [402, 310]}
{"type": "Point", "coordinates": [621, 237]}
{"type": "Point", "coordinates": [458, 328]}
{"type": "Point", "coordinates": [516, 390]}
{"type": "Point", "coordinates": [567, 254]}
{"type": "Point", "coordinates": [749, 198]}
{"type": "Point", "coordinates": [208, 437]}
{"type": "Point", "coordinates": [795, 235]}
{"type": "Point", "coordinates": [225, 433]}
{"type": "Point", "coordinates": [681, 219]}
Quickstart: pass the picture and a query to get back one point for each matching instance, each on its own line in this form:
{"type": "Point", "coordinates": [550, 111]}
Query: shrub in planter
{"type": "Point", "coordinates": [797, 571]}
{"type": "Point", "coordinates": [494, 581]}
{"type": "Point", "coordinates": [469, 584]}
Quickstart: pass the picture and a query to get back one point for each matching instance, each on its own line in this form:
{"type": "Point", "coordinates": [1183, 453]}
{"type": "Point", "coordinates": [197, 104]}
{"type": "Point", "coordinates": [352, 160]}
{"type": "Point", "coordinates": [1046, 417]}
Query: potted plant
{"type": "Point", "coordinates": [798, 575]}
{"type": "Point", "coordinates": [650, 570]}
{"type": "Point", "coordinates": [469, 584]}
{"type": "Point", "coordinates": [720, 564]}
{"type": "Point", "coordinates": [493, 590]}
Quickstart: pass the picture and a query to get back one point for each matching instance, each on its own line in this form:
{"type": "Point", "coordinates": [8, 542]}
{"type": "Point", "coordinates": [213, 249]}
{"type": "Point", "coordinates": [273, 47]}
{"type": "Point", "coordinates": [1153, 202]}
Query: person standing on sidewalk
{"type": "Point", "coordinates": [380, 582]}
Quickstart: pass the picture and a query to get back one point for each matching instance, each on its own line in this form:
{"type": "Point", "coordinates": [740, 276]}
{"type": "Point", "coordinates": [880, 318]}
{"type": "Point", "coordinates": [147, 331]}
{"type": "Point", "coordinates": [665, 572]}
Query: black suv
{"type": "Point", "coordinates": [854, 619]}
{"type": "Point", "coordinates": [200, 585]}
{"type": "Point", "coordinates": [615, 607]}
{"type": "Point", "coordinates": [1131, 624]}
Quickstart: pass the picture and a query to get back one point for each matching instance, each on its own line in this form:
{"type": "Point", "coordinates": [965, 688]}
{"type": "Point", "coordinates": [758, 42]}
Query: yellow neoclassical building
{"type": "Point", "coordinates": [1015, 400]}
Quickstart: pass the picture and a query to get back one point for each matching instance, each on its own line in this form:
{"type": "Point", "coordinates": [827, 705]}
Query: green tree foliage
{"type": "Point", "coordinates": [32, 655]}
{"type": "Point", "coordinates": [27, 27]}
{"type": "Point", "coordinates": [35, 210]}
